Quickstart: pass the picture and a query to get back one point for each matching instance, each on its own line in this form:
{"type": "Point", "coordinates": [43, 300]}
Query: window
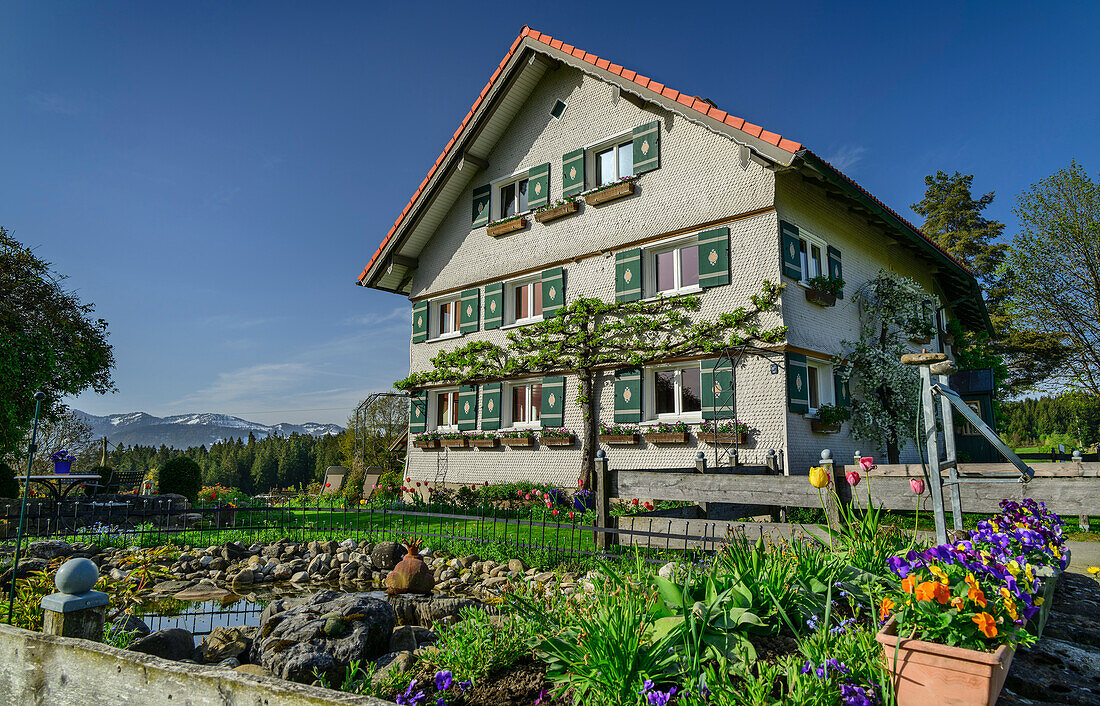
{"type": "Point", "coordinates": [819, 379]}
{"type": "Point", "coordinates": [558, 110]}
{"type": "Point", "coordinates": [811, 251]}
{"type": "Point", "coordinates": [446, 409]}
{"type": "Point", "coordinates": [612, 160]}
{"type": "Point", "coordinates": [524, 301]}
{"type": "Point", "coordinates": [445, 317]}
{"type": "Point", "coordinates": [512, 197]}
{"type": "Point", "coordinates": [967, 429]}
{"type": "Point", "coordinates": [673, 268]}
{"type": "Point", "coordinates": [676, 391]}
{"type": "Point", "coordinates": [525, 403]}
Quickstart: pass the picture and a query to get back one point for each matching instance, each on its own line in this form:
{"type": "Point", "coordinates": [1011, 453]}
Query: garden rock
{"type": "Point", "coordinates": [223, 643]}
{"type": "Point", "coordinates": [174, 643]}
{"type": "Point", "coordinates": [295, 643]}
{"type": "Point", "coordinates": [516, 565]}
{"type": "Point", "coordinates": [386, 555]}
{"type": "Point", "coordinates": [129, 623]}
{"type": "Point", "coordinates": [409, 638]}
{"type": "Point", "coordinates": [49, 549]}
{"type": "Point", "coordinates": [390, 664]}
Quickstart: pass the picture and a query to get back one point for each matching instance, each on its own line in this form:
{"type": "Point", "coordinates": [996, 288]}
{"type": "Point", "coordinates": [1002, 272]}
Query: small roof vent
{"type": "Point", "coordinates": [558, 110]}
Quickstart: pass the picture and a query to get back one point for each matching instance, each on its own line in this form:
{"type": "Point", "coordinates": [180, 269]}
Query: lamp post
{"type": "Point", "coordinates": [38, 397]}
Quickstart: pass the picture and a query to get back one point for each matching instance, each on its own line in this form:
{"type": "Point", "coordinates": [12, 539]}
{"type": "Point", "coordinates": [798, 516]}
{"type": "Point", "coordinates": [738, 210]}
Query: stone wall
{"type": "Point", "coordinates": [44, 670]}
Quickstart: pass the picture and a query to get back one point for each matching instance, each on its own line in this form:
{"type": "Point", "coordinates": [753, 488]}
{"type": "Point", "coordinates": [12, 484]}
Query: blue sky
{"type": "Point", "coordinates": [214, 176]}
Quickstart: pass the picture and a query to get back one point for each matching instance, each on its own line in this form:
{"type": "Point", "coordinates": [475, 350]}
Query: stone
{"type": "Point", "coordinates": [129, 623]}
{"type": "Point", "coordinates": [230, 663]}
{"type": "Point", "coordinates": [516, 565]}
{"type": "Point", "coordinates": [223, 643]}
{"type": "Point", "coordinates": [391, 664]}
{"type": "Point", "coordinates": [300, 577]}
{"type": "Point", "coordinates": [245, 578]}
{"type": "Point", "coordinates": [49, 549]}
{"type": "Point", "coordinates": [296, 643]}
{"type": "Point", "coordinates": [253, 669]}
{"type": "Point", "coordinates": [76, 576]}
{"type": "Point", "coordinates": [174, 643]}
{"type": "Point", "coordinates": [386, 555]}
{"type": "Point", "coordinates": [202, 592]}
{"type": "Point", "coordinates": [409, 638]}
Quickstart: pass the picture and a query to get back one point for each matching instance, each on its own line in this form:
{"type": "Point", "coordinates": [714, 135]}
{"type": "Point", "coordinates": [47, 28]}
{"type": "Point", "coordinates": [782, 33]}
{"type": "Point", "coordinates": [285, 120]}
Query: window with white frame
{"type": "Point", "coordinates": [445, 409]}
{"type": "Point", "coordinates": [524, 403]}
{"type": "Point", "coordinates": [812, 253]}
{"type": "Point", "coordinates": [675, 391]}
{"type": "Point", "coordinates": [673, 268]}
{"type": "Point", "coordinates": [444, 317]}
{"type": "Point", "coordinates": [512, 196]}
{"type": "Point", "coordinates": [524, 301]}
{"type": "Point", "coordinates": [611, 160]}
{"type": "Point", "coordinates": [819, 379]}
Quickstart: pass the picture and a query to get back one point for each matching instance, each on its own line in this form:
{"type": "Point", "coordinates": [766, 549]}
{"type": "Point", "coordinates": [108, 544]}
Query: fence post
{"type": "Point", "coordinates": [832, 514]}
{"type": "Point", "coordinates": [76, 610]}
{"type": "Point", "coordinates": [604, 540]}
{"type": "Point", "coordinates": [701, 467]}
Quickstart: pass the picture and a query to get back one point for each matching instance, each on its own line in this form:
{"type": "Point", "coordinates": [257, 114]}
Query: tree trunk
{"type": "Point", "coordinates": [893, 454]}
{"type": "Point", "coordinates": [588, 435]}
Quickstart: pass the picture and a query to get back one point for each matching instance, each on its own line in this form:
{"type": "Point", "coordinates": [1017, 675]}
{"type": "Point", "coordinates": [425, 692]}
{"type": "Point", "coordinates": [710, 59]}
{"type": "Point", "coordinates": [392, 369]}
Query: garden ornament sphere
{"type": "Point", "coordinates": [76, 576]}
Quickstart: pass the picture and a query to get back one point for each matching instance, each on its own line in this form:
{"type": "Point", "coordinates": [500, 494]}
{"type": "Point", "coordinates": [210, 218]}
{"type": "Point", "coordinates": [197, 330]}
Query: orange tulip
{"type": "Point", "coordinates": [986, 624]}
{"type": "Point", "coordinates": [908, 583]}
{"type": "Point", "coordinates": [885, 608]}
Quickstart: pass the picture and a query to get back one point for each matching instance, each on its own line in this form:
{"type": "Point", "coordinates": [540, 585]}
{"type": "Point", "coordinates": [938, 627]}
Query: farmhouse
{"type": "Point", "coordinates": [572, 176]}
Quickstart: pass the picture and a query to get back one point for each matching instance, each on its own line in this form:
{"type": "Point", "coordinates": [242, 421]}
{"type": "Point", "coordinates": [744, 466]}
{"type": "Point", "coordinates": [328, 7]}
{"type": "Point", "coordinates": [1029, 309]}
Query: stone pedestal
{"type": "Point", "coordinates": [76, 610]}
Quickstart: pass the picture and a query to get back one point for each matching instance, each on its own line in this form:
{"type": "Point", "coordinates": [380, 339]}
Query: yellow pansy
{"type": "Point", "coordinates": [1038, 601]}
{"type": "Point", "coordinates": [1013, 568]}
{"type": "Point", "coordinates": [939, 573]}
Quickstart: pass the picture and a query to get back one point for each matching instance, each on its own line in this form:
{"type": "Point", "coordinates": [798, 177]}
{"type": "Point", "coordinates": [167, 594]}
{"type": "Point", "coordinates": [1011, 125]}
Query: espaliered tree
{"type": "Point", "coordinates": [590, 335]}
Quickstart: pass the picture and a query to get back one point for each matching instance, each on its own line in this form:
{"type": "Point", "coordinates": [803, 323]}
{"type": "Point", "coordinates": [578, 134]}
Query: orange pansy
{"type": "Point", "coordinates": [908, 583]}
{"type": "Point", "coordinates": [974, 593]}
{"type": "Point", "coordinates": [958, 603]}
{"type": "Point", "coordinates": [885, 608]}
{"type": "Point", "coordinates": [986, 624]}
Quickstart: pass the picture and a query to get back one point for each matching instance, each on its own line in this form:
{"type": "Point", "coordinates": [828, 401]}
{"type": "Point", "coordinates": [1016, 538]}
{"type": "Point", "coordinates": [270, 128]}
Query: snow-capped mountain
{"type": "Point", "coordinates": [183, 430]}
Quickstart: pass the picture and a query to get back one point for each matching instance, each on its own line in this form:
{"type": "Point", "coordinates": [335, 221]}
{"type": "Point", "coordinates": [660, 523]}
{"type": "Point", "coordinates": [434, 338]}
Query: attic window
{"type": "Point", "coordinates": [558, 110]}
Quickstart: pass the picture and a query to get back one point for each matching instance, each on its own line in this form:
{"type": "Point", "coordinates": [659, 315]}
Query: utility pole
{"type": "Point", "coordinates": [103, 455]}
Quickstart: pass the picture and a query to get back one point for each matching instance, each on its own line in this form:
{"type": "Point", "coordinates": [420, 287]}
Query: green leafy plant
{"type": "Point", "coordinates": [617, 429]}
{"type": "Point", "coordinates": [557, 432]}
{"type": "Point", "coordinates": [830, 414]}
{"type": "Point", "coordinates": [826, 284]}
{"type": "Point", "coordinates": [676, 427]}
{"type": "Point", "coordinates": [729, 427]}
{"type": "Point", "coordinates": [518, 434]}
{"type": "Point", "coordinates": [182, 476]}
{"type": "Point", "coordinates": [480, 644]}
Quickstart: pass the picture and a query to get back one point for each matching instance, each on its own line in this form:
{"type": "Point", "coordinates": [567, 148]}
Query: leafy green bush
{"type": "Point", "coordinates": [480, 644]}
{"type": "Point", "coordinates": [353, 485]}
{"type": "Point", "coordinates": [9, 486]}
{"type": "Point", "coordinates": [182, 476]}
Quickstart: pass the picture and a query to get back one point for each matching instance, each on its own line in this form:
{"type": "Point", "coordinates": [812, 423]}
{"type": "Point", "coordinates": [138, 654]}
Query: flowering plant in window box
{"type": "Point", "coordinates": [823, 290]}
{"type": "Point", "coordinates": [507, 225]}
{"type": "Point", "coordinates": [728, 432]}
{"type": "Point", "coordinates": [618, 434]}
{"type": "Point", "coordinates": [484, 439]}
{"type": "Point", "coordinates": [558, 209]}
{"type": "Point", "coordinates": [518, 437]}
{"type": "Point", "coordinates": [624, 186]}
{"type": "Point", "coordinates": [556, 436]}
{"type": "Point", "coordinates": [453, 439]}
{"type": "Point", "coordinates": [666, 433]}
{"type": "Point", "coordinates": [828, 419]}
{"type": "Point", "coordinates": [426, 440]}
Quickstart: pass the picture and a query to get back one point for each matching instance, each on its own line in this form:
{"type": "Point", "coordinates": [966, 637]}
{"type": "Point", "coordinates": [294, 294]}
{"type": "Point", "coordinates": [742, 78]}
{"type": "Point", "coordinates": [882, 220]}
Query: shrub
{"type": "Point", "coordinates": [9, 486]}
{"type": "Point", "coordinates": [181, 476]}
{"type": "Point", "coordinates": [353, 484]}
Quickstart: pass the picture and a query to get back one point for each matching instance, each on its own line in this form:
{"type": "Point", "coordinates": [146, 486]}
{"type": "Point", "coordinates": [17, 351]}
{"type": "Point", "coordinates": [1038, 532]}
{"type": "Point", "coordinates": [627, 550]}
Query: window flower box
{"type": "Point", "coordinates": [520, 441]}
{"type": "Point", "coordinates": [819, 427]}
{"type": "Point", "coordinates": [828, 419]}
{"type": "Point", "coordinates": [508, 226]}
{"type": "Point", "coordinates": [619, 439]}
{"type": "Point", "coordinates": [609, 193]}
{"type": "Point", "coordinates": [455, 443]}
{"type": "Point", "coordinates": [553, 213]}
{"type": "Point", "coordinates": [567, 440]}
{"type": "Point", "coordinates": [666, 437]}
{"type": "Point", "coordinates": [426, 443]}
{"type": "Point", "coordinates": [487, 443]}
{"type": "Point", "coordinates": [820, 297]}
{"type": "Point", "coordinates": [928, 673]}
{"type": "Point", "coordinates": [823, 290]}
{"type": "Point", "coordinates": [725, 438]}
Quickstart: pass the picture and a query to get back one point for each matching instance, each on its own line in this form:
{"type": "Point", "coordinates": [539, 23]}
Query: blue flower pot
{"type": "Point", "coordinates": [62, 467]}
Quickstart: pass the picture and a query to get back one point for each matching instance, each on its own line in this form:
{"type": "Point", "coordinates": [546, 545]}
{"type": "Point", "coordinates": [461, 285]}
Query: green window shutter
{"type": "Point", "coordinates": [418, 411]}
{"type": "Point", "coordinates": [494, 305]}
{"type": "Point", "coordinates": [538, 186]}
{"type": "Point", "coordinates": [553, 291]}
{"type": "Point", "coordinates": [467, 407]}
{"type": "Point", "coordinates": [470, 310]}
{"type": "Point", "coordinates": [843, 395]}
{"type": "Point", "coordinates": [647, 147]}
{"type": "Point", "coordinates": [628, 275]}
{"type": "Point", "coordinates": [717, 383]}
{"type": "Point", "coordinates": [490, 405]}
{"type": "Point", "coordinates": [481, 205]}
{"type": "Point", "coordinates": [714, 257]}
{"type": "Point", "coordinates": [552, 413]}
{"type": "Point", "coordinates": [835, 270]}
{"type": "Point", "coordinates": [420, 321]}
{"type": "Point", "coordinates": [792, 257]}
{"type": "Point", "coordinates": [572, 173]}
{"type": "Point", "coordinates": [798, 384]}
{"type": "Point", "coordinates": [628, 395]}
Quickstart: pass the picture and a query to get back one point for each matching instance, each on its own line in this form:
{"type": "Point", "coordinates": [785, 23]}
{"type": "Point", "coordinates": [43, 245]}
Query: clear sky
{"type": "Point", "coordinates": [214, 175]}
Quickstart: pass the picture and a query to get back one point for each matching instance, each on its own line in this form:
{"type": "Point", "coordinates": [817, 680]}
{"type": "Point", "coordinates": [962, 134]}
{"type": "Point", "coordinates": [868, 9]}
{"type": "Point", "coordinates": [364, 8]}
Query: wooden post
{"type": "Point", "coordinates": [76, 610]}
{"type": "Point", "coordinates": [701, 467]}
{"type": "Point", "coordinates": [604, 540]}
{"type": "Point", "coordinates": [832, 513]}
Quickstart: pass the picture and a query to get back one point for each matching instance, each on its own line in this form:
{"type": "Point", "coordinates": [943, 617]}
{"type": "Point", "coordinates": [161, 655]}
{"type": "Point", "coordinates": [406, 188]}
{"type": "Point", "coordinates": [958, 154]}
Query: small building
{"type": "Point", "coordinates": [977, 389]}
{"type": "Point", "coordinates": [673, 195]}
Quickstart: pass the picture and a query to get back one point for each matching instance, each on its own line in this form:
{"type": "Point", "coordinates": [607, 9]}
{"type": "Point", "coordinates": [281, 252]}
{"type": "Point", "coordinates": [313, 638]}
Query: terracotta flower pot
{"type": "Point", "coordinates": [411, 575]}
{"type": "Point", "coordinates": [928, 673]}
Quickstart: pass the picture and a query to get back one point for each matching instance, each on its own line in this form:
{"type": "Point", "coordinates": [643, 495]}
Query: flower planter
{"type": "Point", "coordinates": [928, 673]}
{"type": "Point", "coordinates": [619, 439]}
{"type": "Point", "coordinates": [725, 439]}
{"type": "Point", "coordinates": [498, 229]}
{"type": "Point", "coordinates": [453, 443]}
{"type": "Point", "coordinates": [426, 443]}
{"type": "Point", "coordinates": [62, 467]}
{"type": "Point", "coordinates": [1046, 590]}
{"type": "Point", "coordinates": [816, 296]}
{"type": "Point", "coordinates": [553, 214]}
{"type": "Point", "coordinates": [517, 441]}
{"type": "Point", "coordinates": [485, 443]}
{"type": "Point", "coordinates": [557, 440]}
{"type": "Point", "coordinates": [819, 427]}
{"type": "Point", "coordinates": [666, 437]}
{"type": "Point", "coordinates": [611, 193]}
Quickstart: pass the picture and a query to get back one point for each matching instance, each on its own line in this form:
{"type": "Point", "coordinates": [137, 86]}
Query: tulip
{"type": "Point", "coordinates": [819, 477]}
{"type": "Point", "coordinates": [866, 463]}
{"type": "Point", "coordinates": [554, 512]}
{"type": "Point", "coordinates": [635, 501]}
{"type": "Point", "coordinates": [571, 515]}
{"type": "Point", "coordinates": [917, 484]}
{"type": "Point", "coordinates": [853, 478]}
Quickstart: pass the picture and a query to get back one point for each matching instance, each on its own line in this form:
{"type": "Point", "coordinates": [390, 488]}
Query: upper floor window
{"type": "Point", "coordinates": [512, 197]}
{"type": "Point", "coordinates": [612, 160]}
{"type": "Point", "coordinates": [444, 317]}
{"type": "Point", "coordinates": [524, 301]}
{"type": "Point", "coordinates": [446, 409]}
{"type": "Point", "coordinates": [811, 252]}
{"type": "Point", "coordinates": [525, 403]}
{"type": "Point", "coordinates": [676, 391]}
{"type": "Point", "coordinates": [673, 268]}
{"type": "Point", "coordinates": [819, 380]}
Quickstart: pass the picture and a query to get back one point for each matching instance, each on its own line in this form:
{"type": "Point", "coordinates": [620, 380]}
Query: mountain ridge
{"type": "Point", "coordinates": [180, 431]}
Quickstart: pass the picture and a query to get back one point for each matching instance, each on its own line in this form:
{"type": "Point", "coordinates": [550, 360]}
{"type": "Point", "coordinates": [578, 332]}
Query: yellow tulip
{"type": "Point", "coordinates": [819, 477]}
{"type": "Point", "coordinates": [1094, 570]}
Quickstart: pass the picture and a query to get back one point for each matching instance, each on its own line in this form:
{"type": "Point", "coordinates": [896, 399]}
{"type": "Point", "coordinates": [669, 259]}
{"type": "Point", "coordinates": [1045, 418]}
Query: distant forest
{"type": "Point", "coordinates": [1072, 418]}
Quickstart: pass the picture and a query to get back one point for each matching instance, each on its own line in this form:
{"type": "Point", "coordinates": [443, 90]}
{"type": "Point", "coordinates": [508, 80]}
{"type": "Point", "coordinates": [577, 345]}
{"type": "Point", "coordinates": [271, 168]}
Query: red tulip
{"type": "Point", "coordinates": [417, 484]}
{"type": "Point", "coordinates": [917, 484]}
{"type": "Point", "coordinates": [554, 512]}
{"type": "Point", "coordinates": [571, 515]}
{"type": "Point", "coordinates": [635, 501]}
{"type": "Point", "coordinates": [649, 506]}
{"type": "Point", "coordinates": [853, 478]}
{"type": "Point", "coordinates": [328, 484]}
{"type": "Point", "coordinates": [866, 463]}
{"type": "Point", "coordinates": [408, 480]}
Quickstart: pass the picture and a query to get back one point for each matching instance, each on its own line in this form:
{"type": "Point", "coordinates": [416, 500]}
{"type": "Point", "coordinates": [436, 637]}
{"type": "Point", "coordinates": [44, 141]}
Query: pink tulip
{"type": "Point", "coordinates": [866, 463]}
{"type": "Point", "coordinates": [853, 478]}
{"type": "Point", "coordinates": [917, 484]}
{"type": "Point", "coordinates": [519, 493]}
